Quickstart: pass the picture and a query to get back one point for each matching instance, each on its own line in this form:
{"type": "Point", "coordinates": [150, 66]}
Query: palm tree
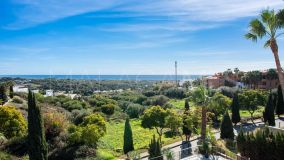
{"type": "Point", "coordinates": [271, 75]}
{"type": "Point", "coordinates": [236, 71]}
{"type": "Point", "coordinates": [269, 25]}
{"type": "Point", "coordinates": [201, 98]}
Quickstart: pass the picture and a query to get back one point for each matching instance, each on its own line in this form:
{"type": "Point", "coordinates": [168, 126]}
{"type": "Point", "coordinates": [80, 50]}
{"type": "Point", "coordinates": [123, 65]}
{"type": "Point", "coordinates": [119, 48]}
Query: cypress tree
{"type": "Point", "coordinates": [36, 136]}
{"type": "Point", "coordinates": [11, 92]}
{"type": "Point", "coordinates": [280, 103]}
{"type": "Point", "coordinates": [227, 127]}
{"type": "Point", "coordinates": [154, 149]}
{"type": "Point", "coordinates": [186, 105]}
{"type": "Point", "coordinates": [128, 140]}
{"type": "Point", "coordinates": [3, 94]}
{"type": "Point", "coordinates": [268, 114]}
{"type": "Point", "coordinates": [236, 110]}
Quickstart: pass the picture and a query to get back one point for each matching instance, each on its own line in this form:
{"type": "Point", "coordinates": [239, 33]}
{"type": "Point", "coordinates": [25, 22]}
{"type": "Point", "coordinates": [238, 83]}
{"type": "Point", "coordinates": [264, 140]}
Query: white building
{"type": "Point", "coordinates": [20, 88]}
{"type": "Point", "coordinates": [49, 93]}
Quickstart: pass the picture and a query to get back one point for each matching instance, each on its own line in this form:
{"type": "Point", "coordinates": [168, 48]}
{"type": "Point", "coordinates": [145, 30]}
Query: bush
{"type": "Point", "coordinates": [175, 93]}
{"type": "Point", "coordinates": [134, 110]}
{"type": "Point", "coordinates": [2, 139]}
{"type": "Point", "coordinates": [74, 104]}
{"type": "Point", "coordinates": [12, 122]}
{"type": "Point", "coordinates": [73, 152]}
{"type": "Point", "coordinates": [150, 93]}
{"type": "Point", "coordinates": [17, 99]}
{"type": "Point", "coordinates": [5, 156]}
{"type": "Point", "coordinates": [78, 115]}
{"type": "Point", "coordinates": [108, 109]}
{"type": "Point", "coordinates": [89, 131]}
{"type": "Point", "coordinates": [159, 100]}
{"type": "Point", "coordinates": [262, 144]}
{"type": "Point", "coordinates": [54, 124]}
{"type": "Point", "coordinates": [17, 146]}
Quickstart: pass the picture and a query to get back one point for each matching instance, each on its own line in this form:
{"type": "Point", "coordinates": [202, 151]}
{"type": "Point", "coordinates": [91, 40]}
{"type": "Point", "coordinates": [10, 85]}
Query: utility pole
{"type": "Point", "coordinates": [176, 73]}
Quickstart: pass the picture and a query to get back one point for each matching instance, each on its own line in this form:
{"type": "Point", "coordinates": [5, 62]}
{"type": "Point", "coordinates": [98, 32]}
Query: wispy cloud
{"type": "Point", "coordinates": [32, 13]}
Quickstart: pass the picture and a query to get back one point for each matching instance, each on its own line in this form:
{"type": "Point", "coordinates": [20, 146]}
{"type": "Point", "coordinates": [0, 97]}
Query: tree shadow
{"type": "Point", "coordinates": [186, 149]}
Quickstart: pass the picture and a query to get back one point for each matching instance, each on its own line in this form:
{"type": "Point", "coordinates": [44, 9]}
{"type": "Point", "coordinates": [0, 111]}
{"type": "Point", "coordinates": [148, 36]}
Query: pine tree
{"type": "Point", "coordinates": [36, 136]}
{"type": "Point", "coordinates": [268, 114]}
{"type": "Point", "coordinates": [236, 110]}
{"type": "Point", "coordinates": [280, 103]}
{"type": "Point", "coordinates": [128, 140]}
{"type": "Point", "coordinates": [227, 127]}
{"type": "Point", "coordinates": [11, 92]}
{"type": "Point", "coordinates": [186, 105]}
{"type": "Point", "coordinates": [3, 94]}
{"type": "Point", "coordinates": [154, 149]}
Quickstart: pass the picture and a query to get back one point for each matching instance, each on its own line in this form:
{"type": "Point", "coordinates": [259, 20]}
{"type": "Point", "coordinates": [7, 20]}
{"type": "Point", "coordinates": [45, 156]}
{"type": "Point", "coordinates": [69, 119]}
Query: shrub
{"type": "Point", "coordinates": [78, 115]}
{"type": "Point", "coordinates": [108, 109]}
{"type": "Point", "coordinates": [17, 146]}
{"type": "Point", "coordinates": [95, 119]}
{"type": "Point", "coordinates": [54, 124]}
{"type": "Point", "coordinates": [263, 144]}
{"type": "Point", "coordinates": [17, 99]}
{"type": "Point", "coordinates": [154, 149]}
{"type": "Point", "coordinates": [159, 100]}
{"type": "Point", "coordinates": [73, 152]}
{"type": "Point", "coordinates": [175, 93]}
{"type": "Point", "coordinates": [2, 139]}
{"type": "Point", "coordinates": [5, 156]}
{"type": "Point", "coordinates": [89, 131]}
{"type": "Point", "coordinates": [134, 110]}
{"type": "Point", "coordinates": [150, 93]}
{"type": "Point", "coordinates": [12, 122]}
{"type": "Point", "coordinates": [73, 104]}
{"type": "Point", "coordinates": [123, 105]}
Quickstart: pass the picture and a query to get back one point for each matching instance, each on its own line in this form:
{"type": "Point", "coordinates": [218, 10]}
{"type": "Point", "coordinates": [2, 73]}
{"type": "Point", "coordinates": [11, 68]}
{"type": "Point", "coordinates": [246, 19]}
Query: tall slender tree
{"type": "Point", "coordinates": [11, 91]}
{"type": "Point", "coordinates": [3, 94]}
{"type": "Point", "coordinates": [36, 136]}
{"type": "Point", "coordinates": [268, 114]}
{"type": "Point", "coordinates": [268, 25]}
{"type": "Point", "coordinates": [127, 139]}
{"type": "Point", "coordinates": [186, 105]}
{"type": "Point", "coordinates": [227, 127]}
{"type": "Point", "coordinates": [235, 110]}
{"type": "Point", "coordinates": [280, 103]}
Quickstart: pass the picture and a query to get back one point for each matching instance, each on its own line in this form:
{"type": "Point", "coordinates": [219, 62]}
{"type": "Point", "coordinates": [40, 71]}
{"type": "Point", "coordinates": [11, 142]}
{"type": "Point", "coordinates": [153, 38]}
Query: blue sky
{"type": "Point", "coordinates": [130, 36]}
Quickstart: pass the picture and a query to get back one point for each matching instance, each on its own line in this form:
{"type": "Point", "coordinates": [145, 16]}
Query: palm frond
{"type": "Point", "coordinates": [257, 28]}
{"type": "Point", "coordinates": [266, 15]}
{"type": "Point", "coordinates": [251, 36]}
{"type": "Point", "coordinates": [280, 18]}
{"type": "Point", "coordinates": [267, 44]}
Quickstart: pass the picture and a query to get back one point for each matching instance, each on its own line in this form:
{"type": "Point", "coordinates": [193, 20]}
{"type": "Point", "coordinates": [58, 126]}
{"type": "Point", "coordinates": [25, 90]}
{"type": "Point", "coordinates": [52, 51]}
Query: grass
{"type": "Point", "coordinates": [179, 103]}
{"type": "Point", "coordinates": [246, 114]}
{"type": "Point", "coordinates": [112, 142]}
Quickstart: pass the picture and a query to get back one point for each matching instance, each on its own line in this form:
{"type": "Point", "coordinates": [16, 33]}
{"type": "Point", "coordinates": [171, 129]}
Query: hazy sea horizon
{"type": "Point", "coordinates": [108, 77]}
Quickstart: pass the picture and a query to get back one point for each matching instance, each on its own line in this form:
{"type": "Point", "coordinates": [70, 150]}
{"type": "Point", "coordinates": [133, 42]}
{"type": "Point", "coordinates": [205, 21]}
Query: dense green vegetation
{"type": "Point", "coordinates": [100, 125]}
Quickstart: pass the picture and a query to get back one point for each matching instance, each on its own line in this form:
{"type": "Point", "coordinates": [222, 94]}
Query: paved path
{"type": "Point", "coordinates": [178, 146]}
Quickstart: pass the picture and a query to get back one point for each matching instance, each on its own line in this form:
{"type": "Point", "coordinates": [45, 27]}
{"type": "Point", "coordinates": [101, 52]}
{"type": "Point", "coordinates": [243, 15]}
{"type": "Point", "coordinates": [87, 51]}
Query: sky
{"type": "Point", "coordinates": [131, 36]}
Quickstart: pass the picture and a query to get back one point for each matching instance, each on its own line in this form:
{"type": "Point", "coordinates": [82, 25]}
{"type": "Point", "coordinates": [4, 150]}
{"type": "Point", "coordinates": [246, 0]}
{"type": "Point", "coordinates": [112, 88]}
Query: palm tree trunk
{"type": "Point", "coordinates": [203, 123]}
{"type": "Point", "coordinates": [274, 48]}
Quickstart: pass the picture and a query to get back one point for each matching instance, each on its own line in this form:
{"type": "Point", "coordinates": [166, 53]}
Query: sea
{"type": "Point", "coordinates": [110, 77]}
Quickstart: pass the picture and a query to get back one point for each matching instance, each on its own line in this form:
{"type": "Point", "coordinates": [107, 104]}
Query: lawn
{"type": "Point", "coordinates": [112, 142]}
{"type": "Point", "coordinates": [246, 114]}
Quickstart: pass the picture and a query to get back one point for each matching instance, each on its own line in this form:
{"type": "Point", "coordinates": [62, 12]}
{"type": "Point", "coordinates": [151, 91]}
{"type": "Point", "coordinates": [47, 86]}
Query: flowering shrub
{"type": "Point", "coordinates": [12, 122]}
